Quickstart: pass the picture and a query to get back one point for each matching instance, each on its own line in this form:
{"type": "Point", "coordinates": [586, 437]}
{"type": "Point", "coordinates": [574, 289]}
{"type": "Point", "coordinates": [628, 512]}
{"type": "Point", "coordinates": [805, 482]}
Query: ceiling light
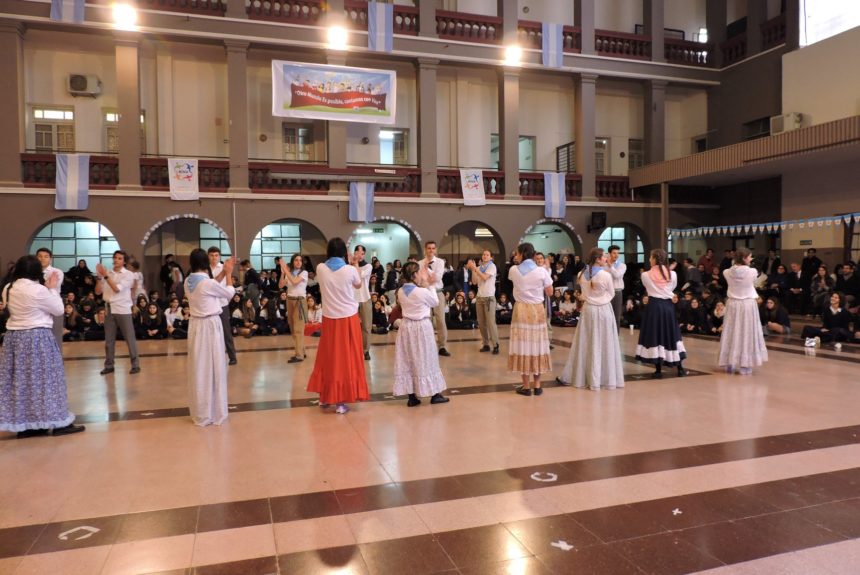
{"type": "Point", "coordinates": [513, 55]}
{"type": "Point", "coordinates": [337, 37]}
{"type": "Point", "coordinates": [124, 17]}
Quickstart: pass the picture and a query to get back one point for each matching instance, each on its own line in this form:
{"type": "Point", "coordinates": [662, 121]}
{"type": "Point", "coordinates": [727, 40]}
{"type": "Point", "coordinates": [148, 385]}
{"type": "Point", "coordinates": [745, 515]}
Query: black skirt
{"type": "Point", "coordinates": [659, 336]}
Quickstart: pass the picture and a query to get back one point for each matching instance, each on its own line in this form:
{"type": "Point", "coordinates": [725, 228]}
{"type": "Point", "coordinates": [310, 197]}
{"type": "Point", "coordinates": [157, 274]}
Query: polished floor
{"type": "Point", "coordinates": [712, 473]}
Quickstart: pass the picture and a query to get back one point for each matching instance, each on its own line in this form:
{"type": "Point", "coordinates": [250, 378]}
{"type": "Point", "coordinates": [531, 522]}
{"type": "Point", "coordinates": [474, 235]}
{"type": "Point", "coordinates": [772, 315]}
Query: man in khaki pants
{"type": "Point", "coordinates": [434, 268]}
{"type": "Point", "coordinates": [362, 296]}
{"type": "Point", "coordinates": [485, 278]}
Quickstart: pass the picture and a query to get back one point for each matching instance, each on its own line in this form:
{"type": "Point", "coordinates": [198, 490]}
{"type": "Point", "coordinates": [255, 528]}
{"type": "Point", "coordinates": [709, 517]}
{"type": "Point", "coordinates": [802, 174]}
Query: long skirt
{"type": "Point", "coordinates": [416, 360]}
{"type": "Point", "coordinates": [338, 374]}
{"type": "Point", "coordinates": [659, 336]}
{"type": "Point", "coordinates": [595, 356]}
{"type": "Point", "coordinates": [207, 371]}
{"type": "Point", "coordinates": [742, 343]}
{"type": "Point", "coordinates": [528, 351]}
{"type": "Point", "coordinates": [32, 382]}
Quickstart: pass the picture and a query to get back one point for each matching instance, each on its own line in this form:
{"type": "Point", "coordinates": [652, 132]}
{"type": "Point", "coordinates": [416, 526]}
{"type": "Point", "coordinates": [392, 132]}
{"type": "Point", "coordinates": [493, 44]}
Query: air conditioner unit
{"type": "Point", "coordinates": [785, 123]}
{"type": "Point", "coordinates": [84, 85]}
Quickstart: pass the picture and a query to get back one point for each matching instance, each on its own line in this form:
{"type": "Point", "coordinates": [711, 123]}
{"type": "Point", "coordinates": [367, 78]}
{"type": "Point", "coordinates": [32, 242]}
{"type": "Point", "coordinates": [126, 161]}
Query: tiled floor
{"type": "Point", "coordinates": [711, 473]}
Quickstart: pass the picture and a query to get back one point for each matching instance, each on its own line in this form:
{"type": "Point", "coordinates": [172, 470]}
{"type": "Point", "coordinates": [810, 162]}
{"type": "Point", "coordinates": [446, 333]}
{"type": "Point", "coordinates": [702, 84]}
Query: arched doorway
{"type": "Point", "coordinates": [179, 235]}
{"type": "Point", "coordinates": [74, 239]}
{"type": "Point", "coordinates": [468, 240]}
{"type": "Point", "coordinates": [284, 238]}
{"type": "Point", "coordinates": [387, 240]}
{"type": "Point", "coordinates": [553, 237]}
{"type": "Point", "coordinates": [629, 238]}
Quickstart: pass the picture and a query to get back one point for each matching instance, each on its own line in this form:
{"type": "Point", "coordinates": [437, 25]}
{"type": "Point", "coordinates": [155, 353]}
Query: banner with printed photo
{"type": "Point", "coordinates": [338, 93]}
{"type": "Point", "coordinates": [183, 178]}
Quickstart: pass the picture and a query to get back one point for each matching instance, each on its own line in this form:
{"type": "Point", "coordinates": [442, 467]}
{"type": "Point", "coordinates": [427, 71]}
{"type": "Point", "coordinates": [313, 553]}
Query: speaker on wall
{"type": "Point", "coordinates": [598, 221]}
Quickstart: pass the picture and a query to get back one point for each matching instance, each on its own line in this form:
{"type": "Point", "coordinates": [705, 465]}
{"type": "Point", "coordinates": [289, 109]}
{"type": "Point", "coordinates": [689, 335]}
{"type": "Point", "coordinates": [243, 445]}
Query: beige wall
{"type": "Point", "coordinates": [619, 117]}
{"type": "Point", "coordinates": [686, 118]}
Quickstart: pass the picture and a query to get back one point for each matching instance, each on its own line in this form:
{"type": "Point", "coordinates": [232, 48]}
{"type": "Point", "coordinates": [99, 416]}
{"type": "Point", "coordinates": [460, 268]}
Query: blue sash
{"type": "Point", "coordinates": [335, 264]}
{"type": "Point", "coordinates": [194, 280]}
{"type": "Point", "coordinates": [407, 289]}
{"type": "Point", "coordinates": [527, 267]}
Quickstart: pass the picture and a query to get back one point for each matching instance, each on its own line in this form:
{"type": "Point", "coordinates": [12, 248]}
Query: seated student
{"type": "Point", "coordinates": [247, 319]}
{"type": "Point", "coordinates": [72, 326]}
{"type": "Point", "coordinates": [313, 326]}
{"type": "Point", "coordinates": [836, 321]}
{"type": "Point", "coordinates": [568, 311]}
{"type": "Point", "coordinates": [459, 314]}
{"type": "Point", "coordinates": [139, 308]}
{"type": "Point", "coordinates": [709, 300]}
{"type": "Point", "coordinates": [819, 291]}
{"type": "Point", "coordinates": [693, 318]}
{"type": "Point", "coordinates": [775, 320]}
{"type": "Point", "coordinates": [267, 317]}
{"type": "Point", "coordinates": [171, 315]}
{"type": "Point", "coordinates": [504, 310]}
{"type": "Point", "coordinates": [180, 326]}
{"type": "Point", "coordinates": [281, 313]}
{"type": "Point", "coordinates": [380, 319]}
{"type": "Point", "coordinates": [716, 318]}
{"type": "Point", "coordinates": [152, 323]}
{"type": "Point", "coordinates": [386, 305]}
{"type": "Point", "coordinates": [96, 331]}
{"type": "Point", "coordinates": [87, 314]}
{"type": "Point", "coordinates": [777, 283]}
{"type": "Point", "coordinates": [631, 315]}
{"type": "Point", "coordinates": [155, 298]}
{"type": "Point", "coordinates": [555, 301]}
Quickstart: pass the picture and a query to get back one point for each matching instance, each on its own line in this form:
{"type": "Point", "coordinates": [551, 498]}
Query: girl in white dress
{"type": "Point", "coordinates": [207, 359]}
{"type": "Point", "coordinates": [742, 344]}
{"type": "Point", "coordinates": [416, 360]}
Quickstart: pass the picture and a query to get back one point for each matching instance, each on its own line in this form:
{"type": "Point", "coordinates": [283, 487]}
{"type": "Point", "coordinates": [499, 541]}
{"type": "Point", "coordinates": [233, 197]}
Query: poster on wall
{"type": "Point", "coordinates": [339, 93]}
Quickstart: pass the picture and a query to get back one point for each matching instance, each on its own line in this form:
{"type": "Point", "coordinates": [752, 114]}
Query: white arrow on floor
{"type": "Point", "coordinates": [89, 532]}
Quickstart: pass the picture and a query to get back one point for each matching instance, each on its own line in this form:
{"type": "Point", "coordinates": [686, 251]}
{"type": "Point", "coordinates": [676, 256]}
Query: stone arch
{"type": "Point", "coordinates": [308, 239]}
{"type": "Point", "coordinates": [635, 248]}
{"type": "Point", "coordinates": [397, 246]}
{"type": "Point", "coordinates": [548, 226]}
{"type": "Point", "coordinates": [72, 238]}
{"type": "Point", "coordinates": [467, 239]}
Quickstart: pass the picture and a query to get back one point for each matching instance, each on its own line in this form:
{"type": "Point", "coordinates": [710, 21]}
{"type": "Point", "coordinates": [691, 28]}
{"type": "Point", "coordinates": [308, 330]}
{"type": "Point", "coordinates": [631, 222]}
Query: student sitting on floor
{"type": "Point", "coordinates": [380, 319]}
{"type": "Point", "coordinates": [836, 321]}
{"type": "Point", "coordinates": [775, 320]}
{"type": "Point", "coordinates": [715, 319]}
{"type": "Point", "coordinates": [152, 323]}
{"type": "Point", "coordinates": [693, 318]}
{"type": "Point", "coordinates": [504, 310]}
{"type": "Point", "coordinates": [313, 327]}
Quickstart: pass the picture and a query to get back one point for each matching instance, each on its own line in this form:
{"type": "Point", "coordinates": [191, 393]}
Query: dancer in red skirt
{"type": "Point", "coordinates": [338, 374]}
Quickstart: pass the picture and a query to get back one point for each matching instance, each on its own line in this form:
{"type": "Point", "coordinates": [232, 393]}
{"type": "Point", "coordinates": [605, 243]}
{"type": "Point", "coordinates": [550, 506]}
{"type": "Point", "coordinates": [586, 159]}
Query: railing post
{"type": "Point", "coordinates": [237, 113]}
{"type": "Point", "coordinates": [585, 112]}
{"type": "Point", "coordinates": [427, 160]}
{"type": "Point", "coordinates": [664, 215]}
{"type": "Point", "coordinates": [756, 16]}
{"type": "Point", "coordinates": [715, 18]}
{"type": "Point", "coordinates": [655, 121]}
{"type": "Point", "coordinates": [128, 101]}
{"type": "Point", "coordinates": [509, 130]}
{"type": "Point", "coordinates": [654, 27]}
{"type": "Point", "coordinates": [583, 11]}
{"type": "Point", "coordinates": [427, 18]}
{"type": "Point", "coordinates": [11, 102]}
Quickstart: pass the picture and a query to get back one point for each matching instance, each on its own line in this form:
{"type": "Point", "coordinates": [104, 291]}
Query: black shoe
{"type": "Point", "coordinates": [295, 359]}
{"type": "Point", "coordinates": [106, 371]}
{"type": "Point", "coordinates": [32, 433]}
{"type": "Point", "coordinates": [232, 362]}
{"type": "Point", "coordinates": [538, 391]}
{"type": "Point", "coordinates": [560, 382]}
{"type": "Point", "coordinates": [134, 370]}
{"type": "Point", "coordinates": [682, 372]}
{"type": "Point", "coordinates": [496, 350]}
{"type": "Point", "coordinates": [413, 400]}
{"type": "Point", "coordinates": [444, 352]}
{"type": "Point", "coordinates": [439, 398]}
{"type": "Point", "coordinates": [366, 356]}
{"type": "Point", "coordinates": [484, 348]}
{"type": "Point", "coordinates": [68, 430]}
{"type": "Point", "coordinates": [523, 390]}
{"type": "Point", "coordinates": [552, 347]}
{"type": "Point", "coordinates": [657, 375]}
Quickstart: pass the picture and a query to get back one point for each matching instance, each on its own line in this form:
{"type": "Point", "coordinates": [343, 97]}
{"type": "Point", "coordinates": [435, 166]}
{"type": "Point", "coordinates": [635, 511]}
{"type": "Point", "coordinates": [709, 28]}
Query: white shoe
{"type": "Point", "coordinates": [745, 371]}
{"type": "Point", "coordinates": [341, 408]}
{"type": "Point", "coordinates": [810, 342]}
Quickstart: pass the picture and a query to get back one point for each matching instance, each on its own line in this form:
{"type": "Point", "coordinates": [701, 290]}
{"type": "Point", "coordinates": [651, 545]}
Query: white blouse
{"type": "Point", "coordinates": [338, 290]}
{"type": "Point", "coordinates": [741, 280]}
{"type": "Point", "coordinates": [487, 287]}
{"type": "Point", "coordinates": [300, 289]}
{"type": "Point", "coordinates": [529, 288]}
{"type": "Point", "coordinates": [208, 295]}
{"type": "Point", "coordinates": [660, 292]}
{"type": "Point", "coordinates": [419, 303]}
{"type": "Point", "coordinates": [31, 305]}
{"type": "Point", "coordinates": [599, 290]}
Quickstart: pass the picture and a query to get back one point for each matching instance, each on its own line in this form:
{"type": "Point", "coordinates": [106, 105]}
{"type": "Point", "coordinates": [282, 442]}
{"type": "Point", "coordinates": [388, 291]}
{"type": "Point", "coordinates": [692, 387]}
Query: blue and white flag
{"type": "Point", "coordinates": [73, 182]}
{"type": "Point", "coordinates": [68, 11]}
{"type": "Point", "coordinates": [554, 195]}
{"type": "Point", "coordinates": [553, 44]}
{"type": "Point", "coordinates": [361, 201]}
{"type": "Point", "coordinates": [380, 26]}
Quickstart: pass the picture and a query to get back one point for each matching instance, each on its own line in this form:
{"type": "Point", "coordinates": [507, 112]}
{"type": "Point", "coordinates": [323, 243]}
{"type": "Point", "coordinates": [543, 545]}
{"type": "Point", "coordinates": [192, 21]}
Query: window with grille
{"type": "Point", "coordinates": [210, 236]}
{"type": "Point", "coordinates": [54, 129]}
{"type": "Point", "coordinates": [111, 133]}
{"type": "Point", "coordinates": [627, 239]}
{"type": "Point", "coordinates": [601, 156]}
{"type": "Point", "coordinates": [278, 239]}
{"type": "Point", "coordinates": [635, 154]}
{"type": "Point", "coordinates": [298, 142]}
{"type": "Point", "coordinates": [394, 146]}
{"type": "Point", "coordinates": [73, 239]}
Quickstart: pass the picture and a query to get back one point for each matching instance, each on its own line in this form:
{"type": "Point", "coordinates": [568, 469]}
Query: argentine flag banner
{"type": "Point", "coordinates": [553, 39]}
{"type": "Point", "coordinates": [361, 201]}
{"type": "Point", "coordinates": [553, 193]}
{"type": "Point", "coordinates": [68, 11]}
{"type": "Point", "coordinates": [380, 27]}
{"type": "Point", "coordinates": [73, 182]}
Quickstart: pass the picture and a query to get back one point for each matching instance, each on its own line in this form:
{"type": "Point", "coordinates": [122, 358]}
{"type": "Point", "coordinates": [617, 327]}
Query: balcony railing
{"type": "Point", "coordinates": [622, 45]}
{"type": "Point", "coordinates": [449, 183]}
{"type": "Point", "coordinates": [40, 171]}
{"type": "Point", "coordinates": [206, 7]}
{"type": "Point", "coordinates": [734, 49]}
{"type": "Point", "coordinates": [468, 27]}
{"type": "Point", "coordinates": [532, 186]}
{"type": "Point", "coordinates": [212, 175]}
{"type": "Point", "coordinates": [405, 17]}
{"type": "Point", "coordinates": [530, 34]}
{"type": "Point", "coordinates": [687, 52]}
{"type": "Point", "coordinates": [773, 32]}
{"type": "Point", "coordinates": [291, 11]}
{"type": "Point", "coordinates": [613, 188]}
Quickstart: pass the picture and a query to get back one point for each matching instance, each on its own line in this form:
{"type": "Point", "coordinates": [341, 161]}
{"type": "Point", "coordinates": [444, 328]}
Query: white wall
{"type": "Point", "coordinates": [546, 112]}
{"type": "Point", "coordinates": [686, 118]}
{"type": "Point", "coordinates": [619, 117]}
{"type": "Point", "coordinates": [618, 15]}
{"type": "Point", "coordinates": [485, 7]}
{"type": "Point", "coordinates": [546, 11]}
{"type": "Point", "coordinates": [470, 100]}
{"type": "Point", "coordinates": [686, 15]}
{"type": "Point", "coordinates": [820, 80]}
